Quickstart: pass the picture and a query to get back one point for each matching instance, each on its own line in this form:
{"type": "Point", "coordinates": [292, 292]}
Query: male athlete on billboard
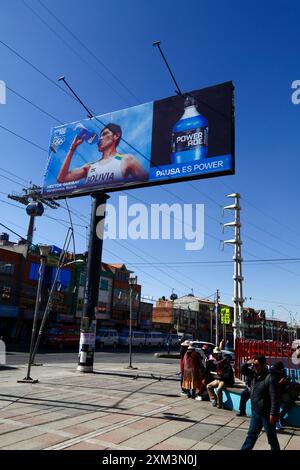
{"type": "Point", "coordinates": [110, 168]}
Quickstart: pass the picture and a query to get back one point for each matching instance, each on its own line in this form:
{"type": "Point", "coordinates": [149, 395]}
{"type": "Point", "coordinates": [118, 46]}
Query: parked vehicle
{"type": "Point", "coordinates": [228, 354]}
{"type": "Point", "coordinates": [138, 338]}
{"type": "Point", "coordinates": [198, 345]}
{"type": "Point", "coordinates": [154, 338]}
{"type": "Point", "coordinates": [174, 338]}
{"type": "Point", "coordinates": [185, 336]}
{"type": "Point", "coordinates": [107, 337]}
{"type": "Point", "coordinates": [62, 336]}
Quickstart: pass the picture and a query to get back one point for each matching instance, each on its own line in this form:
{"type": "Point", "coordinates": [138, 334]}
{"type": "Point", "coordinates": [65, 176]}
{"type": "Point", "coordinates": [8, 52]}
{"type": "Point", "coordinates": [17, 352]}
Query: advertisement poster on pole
{"type": "Point", "coordinates": [184, 137]}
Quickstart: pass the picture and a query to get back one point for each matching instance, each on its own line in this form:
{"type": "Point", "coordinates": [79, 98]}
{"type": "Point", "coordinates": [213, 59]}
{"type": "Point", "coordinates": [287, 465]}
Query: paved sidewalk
{"type": "Point", "coordinates": [115, 409]}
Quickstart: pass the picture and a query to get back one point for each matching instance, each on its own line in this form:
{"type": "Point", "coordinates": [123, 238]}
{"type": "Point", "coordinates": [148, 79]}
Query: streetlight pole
{"type": "Point", "coordinates": [48, 306]}
{"type": "Point", "coordinates": [217, 316]}
{"type": "Point", "coordinates": [44, 252]}
{"type": "Point", "coordinates": [295, 325]}
{"type": "Point", "coordinates": [132, 281]}
{"type": "Point", "coordinates": [290, 313]}
{"type": "Point", "coordinates": [211, 309]}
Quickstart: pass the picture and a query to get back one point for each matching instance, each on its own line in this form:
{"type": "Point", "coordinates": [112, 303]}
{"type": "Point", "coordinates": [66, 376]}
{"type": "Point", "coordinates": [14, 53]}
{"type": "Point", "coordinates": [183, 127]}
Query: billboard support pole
{"type": "Point", "coordinates": [157, 43]}
{"type": "Point", "coordinates": [90, 303]}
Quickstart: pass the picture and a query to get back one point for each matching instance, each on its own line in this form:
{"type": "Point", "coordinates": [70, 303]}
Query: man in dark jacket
{"type": "Point", "coordinates": [265, 403]}
{"type": "Point", "coordinates": [245, 395]}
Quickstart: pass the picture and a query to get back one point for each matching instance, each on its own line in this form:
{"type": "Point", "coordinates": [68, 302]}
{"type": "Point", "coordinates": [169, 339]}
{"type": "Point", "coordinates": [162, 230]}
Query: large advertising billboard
{"type": "Point", "coordinates": [179, 138]}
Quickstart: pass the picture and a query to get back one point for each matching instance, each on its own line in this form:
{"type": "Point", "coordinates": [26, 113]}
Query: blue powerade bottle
{"type": "Point", "coordinates": [190, 135]}
{"type": "Point", "coordinates": [85, 134]}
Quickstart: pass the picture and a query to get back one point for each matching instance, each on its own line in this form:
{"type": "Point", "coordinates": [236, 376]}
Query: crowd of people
{"type": "Point", "coordinates": [204, 376]}
{"type": "Point", "coordinates": [202, 372]}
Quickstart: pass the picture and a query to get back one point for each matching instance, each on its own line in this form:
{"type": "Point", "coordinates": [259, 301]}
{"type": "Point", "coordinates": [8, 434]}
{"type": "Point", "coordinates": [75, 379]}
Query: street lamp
{"type": "Point", "coordinates": [211, 309]}
{"type": "Point", "coordinates": [132, 281]}
{"type": "Point", "coordinates": [289, 329]}
{"type": "Point", "coordinates": [44, 252]}
{"type": "Point", "coordinates": [48, 306]}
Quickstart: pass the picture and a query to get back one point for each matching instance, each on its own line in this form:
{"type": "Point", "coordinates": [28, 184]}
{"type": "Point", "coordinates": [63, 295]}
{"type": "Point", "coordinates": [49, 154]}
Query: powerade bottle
{"type": "Point", "coordinates": [190, 135]}
{"type": "Point", "coordinates": [85, 134]}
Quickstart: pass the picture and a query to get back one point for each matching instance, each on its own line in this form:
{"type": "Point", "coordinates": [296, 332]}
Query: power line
{"type": "Point", "coordinates": [35, 68]}
{"type": "Point", "coordinates": [13, 174]}
{"type": "Point", "coordinates": [9, 179]}
{"type": "Point", "coordinates": [219, 262]}
{"type": "Point", "coordinates": [168, 191]}
{"type": "Point", "coordinates": [23, 138]}
{"type": "Point", "coordinates": [263, 212]}
{"type": "Point", "coordinates": [245, 220]}
{"type": "Point", "coordinates": [89, 51]}
{"type": "Point", "coordinates": [73, 97]}
{"type": "Point", "coordinates": [34, 105]}
{"type": "Point", "coordinates": [12, 231]}
{"type": "Point", "coordinates": [161, 282]}
{"type": "Point", "coordinates": [59, 221]}
{"type": "Point", "coordinates": [53, 82]}
{"type": "Point", "coordinates": [275, 266]}
{"type": "Point", "coordinates": [74, 51]}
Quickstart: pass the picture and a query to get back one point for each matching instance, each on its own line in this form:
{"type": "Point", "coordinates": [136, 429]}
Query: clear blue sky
{"type": "Point", "coordinates": [254, 44]}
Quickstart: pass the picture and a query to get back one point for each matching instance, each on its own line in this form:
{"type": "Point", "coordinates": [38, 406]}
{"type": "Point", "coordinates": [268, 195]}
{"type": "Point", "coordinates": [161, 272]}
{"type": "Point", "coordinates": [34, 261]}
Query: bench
{"type": "Point", "coordinates": [231, 401]}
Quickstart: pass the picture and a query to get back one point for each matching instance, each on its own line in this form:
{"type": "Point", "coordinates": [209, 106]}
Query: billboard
{"type": "Point", "coordinates": [178, 138]}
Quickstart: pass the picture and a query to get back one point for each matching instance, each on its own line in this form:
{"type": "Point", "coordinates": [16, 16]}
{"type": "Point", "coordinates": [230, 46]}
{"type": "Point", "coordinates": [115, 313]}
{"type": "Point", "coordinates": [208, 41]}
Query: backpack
{"type": "Point", "coordinates": [228, 375]}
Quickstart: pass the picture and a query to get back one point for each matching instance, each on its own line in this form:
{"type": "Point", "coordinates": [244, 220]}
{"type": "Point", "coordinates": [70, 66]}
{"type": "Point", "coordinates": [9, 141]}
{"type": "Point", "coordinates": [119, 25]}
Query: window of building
{"type": "Point", "coordinates": [121, 276]}
{"type": "Point", "coordinates": [104, 284]}
{"type": "Point", "coordinates": [5, 293]}
{"type": "Point", "coordinates": [34, 271]}
{"type": "Point", "coordinates": [7, 268]}
{"type": "Point", "coordinates": [63, 280]}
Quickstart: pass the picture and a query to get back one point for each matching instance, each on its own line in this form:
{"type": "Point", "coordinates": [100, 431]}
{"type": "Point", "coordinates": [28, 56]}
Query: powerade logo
{"type": "Point", "coordinates": [189, 139]}
{"type": "Point", "coordinates": [2, 92]}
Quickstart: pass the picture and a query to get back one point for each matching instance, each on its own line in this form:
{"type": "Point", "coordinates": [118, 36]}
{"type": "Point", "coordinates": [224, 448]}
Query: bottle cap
{"type": "Point", "coordinates": [189, 101]}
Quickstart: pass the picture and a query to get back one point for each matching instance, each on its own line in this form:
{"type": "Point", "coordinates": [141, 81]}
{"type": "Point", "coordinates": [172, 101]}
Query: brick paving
{"type": "Point", "coordinates": [115, 409]}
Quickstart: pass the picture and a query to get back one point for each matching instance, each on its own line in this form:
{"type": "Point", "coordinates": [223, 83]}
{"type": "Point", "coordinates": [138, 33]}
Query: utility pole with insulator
{"type": "Point", "coordinates": [33, 199]}
{"type": "Point", "coordinates": [237, 258]}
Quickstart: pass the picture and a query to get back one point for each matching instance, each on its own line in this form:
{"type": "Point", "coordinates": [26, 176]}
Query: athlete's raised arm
{"type": "Point", "coordinates": [134, 168]}
{"type": "Point", "coordinates": [64, 176]}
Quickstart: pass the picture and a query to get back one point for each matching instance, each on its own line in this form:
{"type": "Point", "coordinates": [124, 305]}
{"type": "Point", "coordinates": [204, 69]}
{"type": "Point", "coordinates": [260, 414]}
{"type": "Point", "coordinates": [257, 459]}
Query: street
{"type": "Point", "coordinates": [69, 356]}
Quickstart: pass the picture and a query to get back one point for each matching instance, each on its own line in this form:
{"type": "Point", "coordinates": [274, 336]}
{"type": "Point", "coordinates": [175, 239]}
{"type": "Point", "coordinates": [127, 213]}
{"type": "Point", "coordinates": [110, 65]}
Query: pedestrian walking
{"type": "Point", "coordinates": [286, 392]}
{"type": "Point", "coordinates": [265, 403]}
{"type": "Point", "coordinates": [245, 396]}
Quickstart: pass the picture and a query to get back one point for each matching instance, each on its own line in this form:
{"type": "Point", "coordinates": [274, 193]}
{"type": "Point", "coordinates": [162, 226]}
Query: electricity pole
{"type": "Point", "coordinates": [237, 258]}
{"type": "Point", "coordinates": [33, 199]}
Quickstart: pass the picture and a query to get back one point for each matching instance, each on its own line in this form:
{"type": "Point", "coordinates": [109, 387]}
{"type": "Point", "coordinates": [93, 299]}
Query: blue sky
{"type": "Point", "coordinates": [254, 44]}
